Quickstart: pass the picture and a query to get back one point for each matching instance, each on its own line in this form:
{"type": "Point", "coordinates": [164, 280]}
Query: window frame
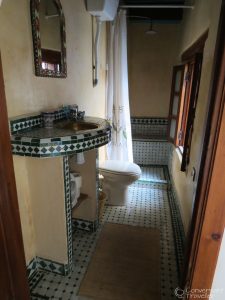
{"type": "Point", "coordinates": [192, 99]}
{"type": "Point", "coordinates": [174, 117]}
{"type": "Point", "coordinates": [192, 63]}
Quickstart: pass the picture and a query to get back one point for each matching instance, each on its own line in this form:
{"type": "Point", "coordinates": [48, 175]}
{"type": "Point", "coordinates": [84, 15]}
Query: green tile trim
{"type": "Point", "coordinates": [60, 147]}
{"type": "Point", "coordinates": [26, 145]}
{"type": "Point", "coordinates": [178, 228]}
{"type": "Point", "coordinates": [149, 120]}
{"type": "Point", "coordinates": [85, 224]}
{"type": "Point", "coordinates": [68, 209]}
{"type": "Point", "coordinates": [52, 266]}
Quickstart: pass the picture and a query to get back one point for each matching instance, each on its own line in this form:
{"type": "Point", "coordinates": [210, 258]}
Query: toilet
{"type": "Point", "coordinates": [75, 186]}
{"type": "Point", "coordinates": [118, 175]}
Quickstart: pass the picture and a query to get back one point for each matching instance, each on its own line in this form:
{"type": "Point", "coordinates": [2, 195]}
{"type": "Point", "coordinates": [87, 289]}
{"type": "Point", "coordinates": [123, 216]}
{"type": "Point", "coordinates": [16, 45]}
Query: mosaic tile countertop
{"type": "Point", "coordinates": [47, 142]}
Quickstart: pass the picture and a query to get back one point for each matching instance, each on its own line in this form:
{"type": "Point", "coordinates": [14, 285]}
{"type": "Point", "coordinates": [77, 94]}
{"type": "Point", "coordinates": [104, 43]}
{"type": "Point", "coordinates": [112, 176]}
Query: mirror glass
{"type": "Point", "coordinates": [49, 39]}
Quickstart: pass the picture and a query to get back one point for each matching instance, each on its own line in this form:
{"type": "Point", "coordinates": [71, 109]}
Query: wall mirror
{"type": "Point", "coordinates": [49, 38]}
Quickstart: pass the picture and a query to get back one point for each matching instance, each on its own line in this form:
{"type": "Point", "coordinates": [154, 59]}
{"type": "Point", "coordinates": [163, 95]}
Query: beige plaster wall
{"type": "Point", "coordinates": [150, 61]}
{"type": "Point", "coordinates": [205, 15]}
{"type": "Point", "coordinates": [26, 215]}
{"type": "Point", "coordinates": [46, 183]}
{"type": "Point", "coordinates": [26, 93]}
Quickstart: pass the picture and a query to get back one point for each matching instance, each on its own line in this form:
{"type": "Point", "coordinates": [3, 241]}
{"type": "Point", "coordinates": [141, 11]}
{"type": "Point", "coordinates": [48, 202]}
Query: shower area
{"type": "Point", "coordinates": [152, 52]}
{"type": "Point", "coordinates": [149, 139]}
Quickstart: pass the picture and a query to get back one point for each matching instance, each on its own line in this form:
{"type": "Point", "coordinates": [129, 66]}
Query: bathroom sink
{"type": "Point", "coordinates": [77, 126]}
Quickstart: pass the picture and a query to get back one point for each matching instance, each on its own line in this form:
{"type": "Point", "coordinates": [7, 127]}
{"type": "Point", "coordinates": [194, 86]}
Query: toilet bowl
{"type": "Point", "coordinates": [118, 175]}
{"type": "Point", "coordinates": [75, 186]}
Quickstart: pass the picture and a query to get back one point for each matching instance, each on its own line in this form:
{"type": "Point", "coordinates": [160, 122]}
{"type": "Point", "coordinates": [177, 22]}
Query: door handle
{"type": "Point", "coordinates": [216, 236]}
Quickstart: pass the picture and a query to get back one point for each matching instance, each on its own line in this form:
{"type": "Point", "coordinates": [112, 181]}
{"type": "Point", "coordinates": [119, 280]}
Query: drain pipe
{"type": "Point", "coordinates": [97, 41]}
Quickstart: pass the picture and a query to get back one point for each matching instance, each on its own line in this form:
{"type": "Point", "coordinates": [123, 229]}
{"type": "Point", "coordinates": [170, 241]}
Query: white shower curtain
{"type": "Point", "coordinates": [118, 109]}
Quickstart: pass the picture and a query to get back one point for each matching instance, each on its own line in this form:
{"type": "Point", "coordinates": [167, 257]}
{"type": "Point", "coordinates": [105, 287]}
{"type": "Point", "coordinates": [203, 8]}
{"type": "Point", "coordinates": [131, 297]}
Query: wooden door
{"type": "Point", "coordinates": [13, 279]}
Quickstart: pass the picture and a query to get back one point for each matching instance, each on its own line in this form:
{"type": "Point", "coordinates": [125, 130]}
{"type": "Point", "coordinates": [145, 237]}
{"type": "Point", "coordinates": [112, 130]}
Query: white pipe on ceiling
{"type": "Point", "coordinates": [157, 6]}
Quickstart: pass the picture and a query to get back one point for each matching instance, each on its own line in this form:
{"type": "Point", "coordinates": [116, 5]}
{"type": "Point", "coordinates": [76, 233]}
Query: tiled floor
{"type": "Point", "coordinates": [149, 206]}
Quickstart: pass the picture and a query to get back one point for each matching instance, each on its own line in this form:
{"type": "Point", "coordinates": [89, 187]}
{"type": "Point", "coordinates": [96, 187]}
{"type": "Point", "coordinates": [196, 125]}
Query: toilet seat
{"type": "Point", "coordinates": [120, 167]}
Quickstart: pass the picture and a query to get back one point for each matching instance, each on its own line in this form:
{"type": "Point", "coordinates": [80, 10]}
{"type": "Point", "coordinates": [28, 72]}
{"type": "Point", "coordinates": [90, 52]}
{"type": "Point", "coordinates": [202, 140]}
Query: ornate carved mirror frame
{"type": "Point", "coordinates": [38, 59]}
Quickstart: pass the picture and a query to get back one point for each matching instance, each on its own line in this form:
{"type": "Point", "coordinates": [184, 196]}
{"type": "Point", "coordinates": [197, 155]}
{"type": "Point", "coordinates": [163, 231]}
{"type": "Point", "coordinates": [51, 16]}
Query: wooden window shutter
{"type": "Point", "coordinates": [188, 76]}
{"type": "Point", "coordinates": [192, 109]}
{"type": "Point", "coordinates": [175, 98]}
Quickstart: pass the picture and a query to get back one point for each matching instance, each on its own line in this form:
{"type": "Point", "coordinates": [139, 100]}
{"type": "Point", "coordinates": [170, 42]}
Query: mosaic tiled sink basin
{"type": "Point", "coordinates": [30, 138]}
{"type": "Point", "coordinates": [77, 126]}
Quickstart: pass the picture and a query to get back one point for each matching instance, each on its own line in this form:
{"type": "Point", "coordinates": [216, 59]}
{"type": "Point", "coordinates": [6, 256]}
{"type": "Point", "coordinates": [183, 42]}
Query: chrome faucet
{"type": "Point", "coordinates": [80, 115]}
{"type": "Point", "coordinates": [75, 114]}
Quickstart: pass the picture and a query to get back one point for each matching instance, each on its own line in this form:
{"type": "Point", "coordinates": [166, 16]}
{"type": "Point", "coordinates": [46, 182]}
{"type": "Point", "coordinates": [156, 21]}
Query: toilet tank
{"type": "Point", "coordinates": [104, 9]}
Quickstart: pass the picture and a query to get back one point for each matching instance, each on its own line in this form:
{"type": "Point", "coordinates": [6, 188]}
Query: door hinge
{"type": "Point", "coordinates": [187, 76]}
{"type": "Point", "coordinates": [180, 136]}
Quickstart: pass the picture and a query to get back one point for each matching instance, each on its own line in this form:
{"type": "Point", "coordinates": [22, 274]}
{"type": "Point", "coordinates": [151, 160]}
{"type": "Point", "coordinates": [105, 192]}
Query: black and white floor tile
{"type": "Point", "coordinates": [148, 206]}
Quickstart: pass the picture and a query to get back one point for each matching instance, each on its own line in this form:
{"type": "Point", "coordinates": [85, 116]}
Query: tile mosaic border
{"type": "Point", "coordinates": [51, 147]}
{"type": "Point", "coordinates": [32, 268]}
{"type": "Point", "coordinates": [22, 123]}
{"type": "Point", "coordinates": [177, 223]}
{"type": "Point", "coordinates": [39, 263]}
{"type": "Point", "coordinates": [97, 180]}
{"type": "Point", "coordinates": [34, 280]}
{"type": "Point", "coordinates": [63, 146]}
{"type": "Point", "coordinates": [68, 209]}
{"type": "Point", "coordinates": [148, 128]}
{"type": "Point", "coordinates": [149, 120]}
{"type": "Point", "coordinates": [52, 266]}
{"type": "Point", "coordinates": [85, 224]}
{"type": "Point", "coordinates": [38, 297]}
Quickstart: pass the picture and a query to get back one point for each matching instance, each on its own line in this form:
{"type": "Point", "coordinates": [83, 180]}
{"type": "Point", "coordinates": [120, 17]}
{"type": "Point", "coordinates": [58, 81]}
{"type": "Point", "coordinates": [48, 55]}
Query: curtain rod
{"type": "Point", "coordinates": [157, 6]}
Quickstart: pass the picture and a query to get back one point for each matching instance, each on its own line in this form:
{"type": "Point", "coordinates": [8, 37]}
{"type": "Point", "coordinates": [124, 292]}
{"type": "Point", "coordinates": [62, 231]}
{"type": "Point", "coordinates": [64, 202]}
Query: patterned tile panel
{"type": "Point", "coordinates": [150, 152]}
{"type": "Point", "coordinates": [22, 123]}
{"type": "Point", "coordinates": [39, 263]}
{"type": "Point", "coordinates": [149, 128]}
{"type": "Point", "coordinates": [149, 120]}
{"type": "Point", "coordinates": [84, 225]}
{"type": "Point", "coordinates": [52, 266]}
